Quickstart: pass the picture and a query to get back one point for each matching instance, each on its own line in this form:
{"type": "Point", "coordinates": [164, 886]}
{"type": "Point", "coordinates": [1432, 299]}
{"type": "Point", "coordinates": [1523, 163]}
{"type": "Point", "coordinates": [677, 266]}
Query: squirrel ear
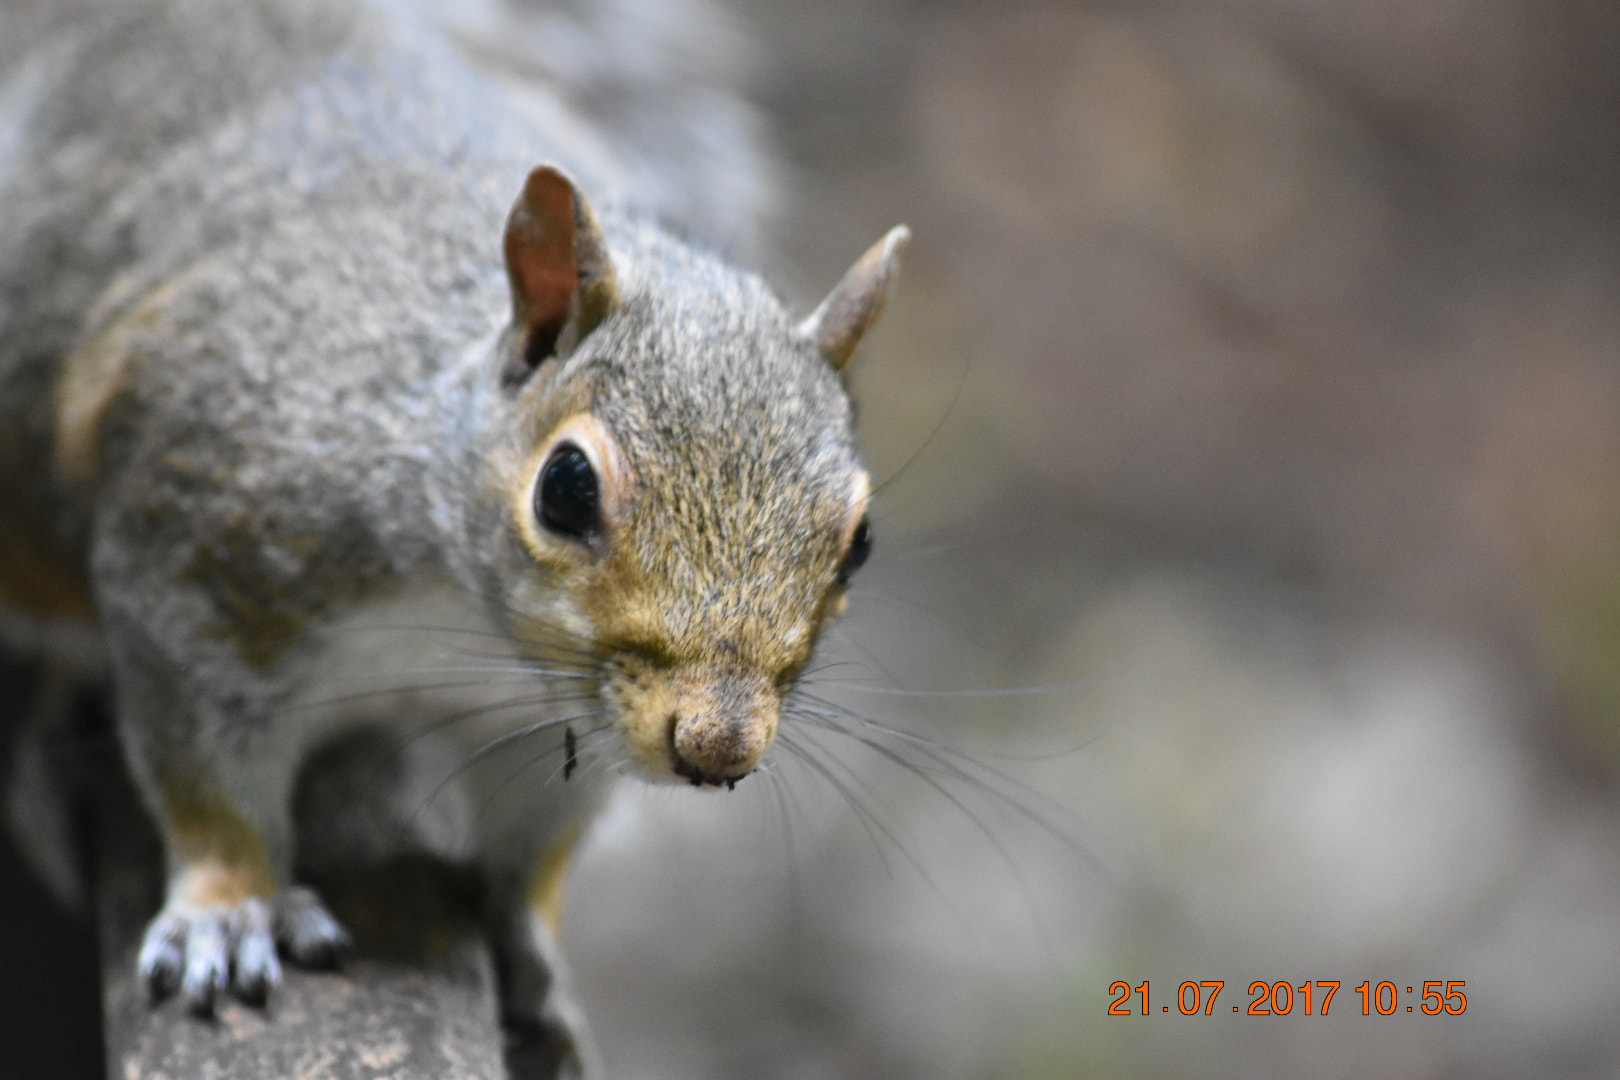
{"type": "Point", "coordinates": [849, 311]}
{"type": "Point", "coordinates": [562, 278]}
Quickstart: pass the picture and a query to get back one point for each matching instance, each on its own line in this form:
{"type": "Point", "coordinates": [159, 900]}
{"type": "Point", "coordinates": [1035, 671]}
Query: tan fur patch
{"type": "Point", "coordinates": [215, 884]}
{"type": "Point", "coordinates": [36, 575]}
{"type": "Point", "coordinates": [220, 856]}
{"type": "Point", "coordinates": [545, 893]}
{"type": "Point", "coordinates": [94, 377]}
{"type": "Point", "coordinates": [644, 700]}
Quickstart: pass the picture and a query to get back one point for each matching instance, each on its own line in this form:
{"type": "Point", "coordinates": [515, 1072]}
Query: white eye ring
{"type": "Point", "coordinates": [603, 462]}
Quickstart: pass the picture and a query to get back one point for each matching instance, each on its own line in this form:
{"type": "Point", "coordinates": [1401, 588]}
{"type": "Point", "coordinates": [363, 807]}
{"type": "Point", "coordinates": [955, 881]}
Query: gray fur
{"type": "Point", "coordinates": [282, 222]}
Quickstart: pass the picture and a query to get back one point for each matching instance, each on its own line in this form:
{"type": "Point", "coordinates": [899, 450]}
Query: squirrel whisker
{"type": "Point", "coordinates": [505, 739]}
{"type": "Point", "coordinates": [998, 692]}
{"type": "Point", "coordinates": [806, 751]}
{"type": "Point", "coordinates": [584, 654]}
{"type": "Point", "coordinates": [414, 687]}
{"type": "Point", "coordinates": [953, 763]}
{"type": "Point", "coordinates": [528, 763]}
{"type": "Point", "coordinates": [956, 396]}
{"type": "Point", "coordinates": [486, 709]}
{"type": "Point", "coordinates": [1025, 887]}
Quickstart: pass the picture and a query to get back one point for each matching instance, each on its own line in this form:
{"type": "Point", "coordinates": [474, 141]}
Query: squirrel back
{"type": "Point", "coordinates": [295, 150]}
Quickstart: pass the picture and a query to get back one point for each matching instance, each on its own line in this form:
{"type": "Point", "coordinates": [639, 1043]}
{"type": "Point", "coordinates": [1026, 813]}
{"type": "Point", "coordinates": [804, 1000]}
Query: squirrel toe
{"type": "Point", "coordinates": [163, 956]}
{"type": "Point", "coordinates": [255, 969]}
{"type": "Point", "coordinates": [311, 936]}
{"type": "Point", "coordinates": [207, 960]}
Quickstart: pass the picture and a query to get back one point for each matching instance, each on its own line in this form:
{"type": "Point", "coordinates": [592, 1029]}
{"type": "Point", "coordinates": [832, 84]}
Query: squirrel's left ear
{"type": "Point", "coordinates": [562, 278]}
{"type": "Point", "coordinates": [849, 311]}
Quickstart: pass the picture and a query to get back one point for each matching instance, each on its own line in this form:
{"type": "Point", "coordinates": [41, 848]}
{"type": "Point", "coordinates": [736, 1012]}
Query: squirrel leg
{"type": "Point", "coordinates": [226, 912]}
{"type": "Point", "coordinates": [218, 781]}
{"type": "Point", "coordinates": [546, 1032]}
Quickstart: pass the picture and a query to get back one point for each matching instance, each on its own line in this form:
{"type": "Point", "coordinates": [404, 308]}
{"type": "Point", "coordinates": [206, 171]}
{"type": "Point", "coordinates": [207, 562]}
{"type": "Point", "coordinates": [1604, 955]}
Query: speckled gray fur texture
{"type": "Point", "coordinates": [279, 224]}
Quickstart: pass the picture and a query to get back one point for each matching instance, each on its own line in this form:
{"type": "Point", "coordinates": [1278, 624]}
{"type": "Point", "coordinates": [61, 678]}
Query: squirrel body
{"type": "Point", "coordinates": [328, 401]}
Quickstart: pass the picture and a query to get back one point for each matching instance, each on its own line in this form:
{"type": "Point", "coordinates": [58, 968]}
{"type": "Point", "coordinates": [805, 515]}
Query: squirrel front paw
{"type": "Point", "coordinates": [203, 950]}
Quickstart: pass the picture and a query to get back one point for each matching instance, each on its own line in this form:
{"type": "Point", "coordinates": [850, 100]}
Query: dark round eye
{"type": "Point", "coordinates": [860, 546]}
{"type": "Point", "coordinates": [567, 500]}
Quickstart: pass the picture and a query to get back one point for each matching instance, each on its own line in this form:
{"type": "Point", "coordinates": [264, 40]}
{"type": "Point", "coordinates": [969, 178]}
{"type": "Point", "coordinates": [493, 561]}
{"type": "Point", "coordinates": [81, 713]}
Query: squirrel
{"type": "Point", "coordinates": [317, 364]}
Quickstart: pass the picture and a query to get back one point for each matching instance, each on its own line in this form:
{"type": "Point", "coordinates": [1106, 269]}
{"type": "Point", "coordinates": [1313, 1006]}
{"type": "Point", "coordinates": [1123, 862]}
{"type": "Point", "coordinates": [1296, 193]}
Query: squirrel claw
{"type": "Point", "coordinates": [204, 951]}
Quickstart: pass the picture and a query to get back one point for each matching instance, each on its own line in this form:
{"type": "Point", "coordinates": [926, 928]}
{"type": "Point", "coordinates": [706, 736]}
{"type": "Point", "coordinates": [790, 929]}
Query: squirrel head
{"type": "Point", "coordinates": [682, 494]}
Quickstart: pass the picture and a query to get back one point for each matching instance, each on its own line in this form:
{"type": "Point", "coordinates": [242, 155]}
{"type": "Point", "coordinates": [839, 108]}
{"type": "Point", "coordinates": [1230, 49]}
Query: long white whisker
{"type": "Point", "coordinates": [410, 688]}
{"type": "Point", "coordinates": [833, 760]}
{"type": "Point", "coordinates": [952, 762]}
{"type": "Point", "coordinates": [1009, 692]}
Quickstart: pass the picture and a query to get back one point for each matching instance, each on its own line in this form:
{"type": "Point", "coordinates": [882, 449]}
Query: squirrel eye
{"type": "Point", "coordinates": [860, 546]}
{"type": "Point", "coordinates": [568, 500]}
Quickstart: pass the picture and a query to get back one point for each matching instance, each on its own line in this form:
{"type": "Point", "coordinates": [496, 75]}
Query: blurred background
{"type": "Point", "coordinates": [1248, 430]}
{"type": "Point", "coordinates": [1246, 594]}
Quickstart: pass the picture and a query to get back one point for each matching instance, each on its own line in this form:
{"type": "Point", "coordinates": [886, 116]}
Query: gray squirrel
{"type": "Point", "coordinates": [330, 401]}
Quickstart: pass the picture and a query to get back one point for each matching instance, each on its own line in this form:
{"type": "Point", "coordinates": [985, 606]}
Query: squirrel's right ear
{"type": "Point", "coordinates": [849, 311]}
{"type": "Point", "coordinates": [562, 278]}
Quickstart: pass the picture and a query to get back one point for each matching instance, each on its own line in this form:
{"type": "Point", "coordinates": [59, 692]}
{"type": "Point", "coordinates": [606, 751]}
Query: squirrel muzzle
{"type": "Point", "coordinates": [720, 727]}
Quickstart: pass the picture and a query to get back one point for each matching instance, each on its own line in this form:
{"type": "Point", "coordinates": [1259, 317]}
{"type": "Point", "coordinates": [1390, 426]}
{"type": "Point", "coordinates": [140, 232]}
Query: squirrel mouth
{"type": "Point", "coordinates": [700, 779]}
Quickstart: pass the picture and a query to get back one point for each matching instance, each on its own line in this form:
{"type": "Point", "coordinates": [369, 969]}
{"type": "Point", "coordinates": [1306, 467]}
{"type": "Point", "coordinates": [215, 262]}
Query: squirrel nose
{"type": "Point", "coordinates": [711, 749]}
